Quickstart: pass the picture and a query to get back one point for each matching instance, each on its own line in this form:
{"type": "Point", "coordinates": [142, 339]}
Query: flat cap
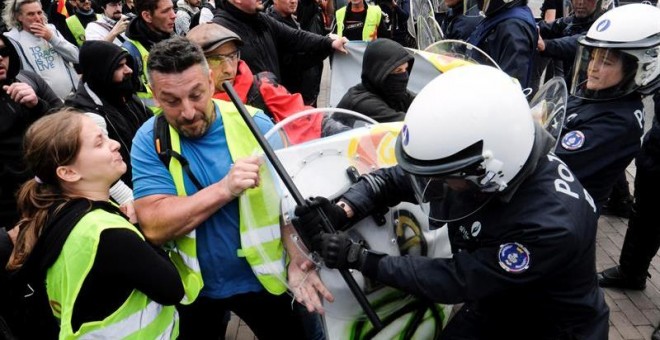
{"type": "Point", "coordinates": [211, 35]}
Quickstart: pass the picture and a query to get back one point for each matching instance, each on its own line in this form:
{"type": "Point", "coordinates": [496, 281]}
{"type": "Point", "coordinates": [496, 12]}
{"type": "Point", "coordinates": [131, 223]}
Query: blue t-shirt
{"type": "Point", "coordinates": [224, 273]}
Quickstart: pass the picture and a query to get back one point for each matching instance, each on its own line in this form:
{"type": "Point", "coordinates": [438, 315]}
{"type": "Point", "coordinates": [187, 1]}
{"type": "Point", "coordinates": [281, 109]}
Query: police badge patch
{"type": "Point", "coordinates": [514, 257]}
{"type": "Point", "coordinates": [572, 140]}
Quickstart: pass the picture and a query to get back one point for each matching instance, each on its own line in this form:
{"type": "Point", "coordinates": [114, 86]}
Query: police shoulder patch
{"type": "Point", "coordinates": [513, 257]}
{"type": "Point", "coordinates": [572, 140]}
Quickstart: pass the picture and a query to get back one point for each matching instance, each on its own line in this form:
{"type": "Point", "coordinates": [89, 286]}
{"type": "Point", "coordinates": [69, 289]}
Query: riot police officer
{"type": "Point", "coordinates": [521, 227]}
{"type": "Point", "coordinates": [605, 114]}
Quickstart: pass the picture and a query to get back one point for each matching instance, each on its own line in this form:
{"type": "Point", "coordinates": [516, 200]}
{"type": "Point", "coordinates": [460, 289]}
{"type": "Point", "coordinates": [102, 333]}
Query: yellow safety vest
{"type": "Point", "coordinates": [77, 29]}
{"type": "Point", "coordinates": [147, 97]}
{"type": "Point", "coordinates": [261, 245]}
{"type": "Point", "coordinates": [138, 317]}
{"type": "Point", "coordinates": [371, 22]}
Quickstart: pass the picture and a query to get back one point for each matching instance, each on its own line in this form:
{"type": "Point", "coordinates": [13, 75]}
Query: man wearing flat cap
{"type": "Point", "coordinates": [222, 51]}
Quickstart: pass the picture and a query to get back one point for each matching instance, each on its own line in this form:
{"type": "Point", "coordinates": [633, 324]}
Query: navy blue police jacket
{"type": "Point", "coordinates": [527, 266]}
{"type": "Point", "coordinates": [600, 139]}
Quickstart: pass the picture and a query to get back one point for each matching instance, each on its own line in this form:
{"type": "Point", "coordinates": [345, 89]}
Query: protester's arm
{"type": "Point", "coordinates": [44, 92]}
{"type": "Point", "coordinates": [7, 240]}
{"type": "Point", "coordinates": [166, 217]}
{"type": "Point", "coordinates": [67, 50]}
{"type": "Point", "coordinates": [303, 279]}
{"type": "Point", "coordinates": [383, 31]}
{"type": "Point", "coordinates": [146, 268]}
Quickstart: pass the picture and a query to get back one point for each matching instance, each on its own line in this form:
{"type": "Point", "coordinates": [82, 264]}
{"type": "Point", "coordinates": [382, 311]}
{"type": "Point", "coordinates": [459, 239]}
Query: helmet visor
{"type": "Point", "coordinates": [603, 73]}
{"type": "Point", "coordinates": [453, 197]}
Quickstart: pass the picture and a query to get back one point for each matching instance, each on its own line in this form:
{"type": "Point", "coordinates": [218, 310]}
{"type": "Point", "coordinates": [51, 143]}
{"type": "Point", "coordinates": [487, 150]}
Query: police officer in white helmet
{"type": "Point", "coordinates": [521, 227]}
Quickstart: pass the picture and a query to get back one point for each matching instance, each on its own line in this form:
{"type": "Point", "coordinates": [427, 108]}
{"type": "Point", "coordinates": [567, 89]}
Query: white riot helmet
{"type": "Point", "coordinates": [466, 136]}
{"type": "Point", "coordinates": [620, 54]}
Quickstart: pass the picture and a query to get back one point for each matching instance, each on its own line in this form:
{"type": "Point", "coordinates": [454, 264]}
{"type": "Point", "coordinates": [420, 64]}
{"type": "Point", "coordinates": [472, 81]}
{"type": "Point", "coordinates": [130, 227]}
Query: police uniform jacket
{"type": "Point", "coordinates": [526, 266]}
{"type": "Point", "coordinates": [600, 139]}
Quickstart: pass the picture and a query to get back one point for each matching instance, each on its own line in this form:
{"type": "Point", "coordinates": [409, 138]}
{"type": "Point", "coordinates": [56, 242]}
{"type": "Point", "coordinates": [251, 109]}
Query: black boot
{"type": "Point", "coordinates": [615, 278]}
{"type": "Point", "coordinates": [656, 333]}
{"type": "Point", "coordinates": [620, 207]}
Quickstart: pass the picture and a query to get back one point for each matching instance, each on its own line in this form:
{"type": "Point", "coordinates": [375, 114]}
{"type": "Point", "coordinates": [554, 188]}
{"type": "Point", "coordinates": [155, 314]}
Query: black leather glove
{"type": "Point", "coordinates": [339, 251]}
{"type": "Point", "coordinates": [308, 220]}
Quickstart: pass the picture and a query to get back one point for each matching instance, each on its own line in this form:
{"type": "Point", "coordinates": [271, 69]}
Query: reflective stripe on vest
{"type": "Point", "coordinates": [138, 317]}
{"type": "Point", "coordinates": [147, 98]}
{"type": "Point", "coordinates": [77, 29]}
{"type": "Point", "coordinates": [260, 245]}
{"type": "Point", "coordinates": [371, 22]}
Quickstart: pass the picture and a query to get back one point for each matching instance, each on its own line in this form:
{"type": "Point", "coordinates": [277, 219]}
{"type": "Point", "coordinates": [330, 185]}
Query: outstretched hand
{"type": "Point", "coordinates": [338, 44]}
{"type": "Point", "coordinates": [307, 286]}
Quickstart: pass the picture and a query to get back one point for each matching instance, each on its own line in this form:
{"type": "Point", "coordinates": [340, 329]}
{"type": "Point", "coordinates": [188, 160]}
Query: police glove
{"type": "Point", "coordinates": [339, 251]}
{"type": "Point", "coordinates": [308, 220]}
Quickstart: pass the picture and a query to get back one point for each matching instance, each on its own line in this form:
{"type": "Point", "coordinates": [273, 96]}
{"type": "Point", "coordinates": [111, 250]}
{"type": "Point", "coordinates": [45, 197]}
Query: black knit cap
{"type": "Point", "coordinates": [98, 60]}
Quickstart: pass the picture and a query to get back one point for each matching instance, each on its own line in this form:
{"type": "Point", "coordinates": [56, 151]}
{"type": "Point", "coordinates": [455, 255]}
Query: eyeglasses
{"type": "Point", "coordinates": [221, 59]}
{"type": "Point", "coordinates": [4, 52]}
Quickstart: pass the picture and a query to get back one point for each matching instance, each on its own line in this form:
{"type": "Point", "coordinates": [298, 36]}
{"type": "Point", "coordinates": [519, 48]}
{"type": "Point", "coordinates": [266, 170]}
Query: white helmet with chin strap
{"type": "Point", "coordinates": [466, 136]}
{"type": "Point", "coordinates": [629, 33]}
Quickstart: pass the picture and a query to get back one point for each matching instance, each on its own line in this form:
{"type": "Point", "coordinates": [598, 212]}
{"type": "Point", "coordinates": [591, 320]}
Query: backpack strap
{"type": "Point", "coordinates": [163, 145]}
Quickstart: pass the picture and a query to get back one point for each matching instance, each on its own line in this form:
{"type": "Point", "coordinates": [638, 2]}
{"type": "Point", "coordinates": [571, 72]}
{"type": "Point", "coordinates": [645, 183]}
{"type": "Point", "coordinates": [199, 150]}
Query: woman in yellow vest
{"type": "Point", "coordinates": [102, 279]}
{"type": "Point", "coordinates": [359, 21]}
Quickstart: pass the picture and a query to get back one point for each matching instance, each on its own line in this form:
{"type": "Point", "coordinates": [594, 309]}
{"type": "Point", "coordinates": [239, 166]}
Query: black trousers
{"type": "Point", "coordinates": [642, 238]}
{"type": "Point", "coordinates": [268, 316]}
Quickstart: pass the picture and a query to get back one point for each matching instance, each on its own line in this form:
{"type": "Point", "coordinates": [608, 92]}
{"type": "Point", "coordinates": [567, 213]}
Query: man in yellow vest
{"type": "Point", "coordinates": [78, 22]}
{"type": "Point", "coordinates": [154, 23]}
{"type": "Point", "coordinates": [360, 21]}
{"type": "Point", "coordinates": [215, 204]}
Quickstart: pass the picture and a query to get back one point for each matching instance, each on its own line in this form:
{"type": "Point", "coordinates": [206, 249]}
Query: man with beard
{"type": "Point", "coordinates": [111, 26]}
{"type": "Point", "coordinates": [78, 22]}
{"type": "Point", "coordinates": [265, 38]}
{"type": "Point", "coordinates": [382, 94]}
{"type": "Point", "coordinates": [204, 218]}
{"type": "Point", "coordinates": [25, 97]}
{"type": "Point", "coordinates": [154, 23]}
{"type": "Point", "coordinates": [108, 92]}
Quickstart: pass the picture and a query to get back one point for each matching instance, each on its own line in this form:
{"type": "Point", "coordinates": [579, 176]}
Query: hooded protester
{"type": "Point", "coordinates": [24, 98]}
{"type": "Point", "coordinates": [109, 92]}
{"type": "Point", "coordinates": [382, 94]}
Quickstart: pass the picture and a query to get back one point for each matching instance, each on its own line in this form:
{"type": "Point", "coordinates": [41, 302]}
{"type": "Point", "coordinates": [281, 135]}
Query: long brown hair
{"type": "Point", "coordinates": [52, 141]}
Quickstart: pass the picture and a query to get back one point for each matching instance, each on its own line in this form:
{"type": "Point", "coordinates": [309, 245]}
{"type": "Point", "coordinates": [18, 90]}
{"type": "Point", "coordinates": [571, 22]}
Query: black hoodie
{"type": "Point", "coordinates": [118, 104]}
{"type": "Point", "coordinates": [14, 121]}
{"type": "Point", "coordinates": [381, 57]}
